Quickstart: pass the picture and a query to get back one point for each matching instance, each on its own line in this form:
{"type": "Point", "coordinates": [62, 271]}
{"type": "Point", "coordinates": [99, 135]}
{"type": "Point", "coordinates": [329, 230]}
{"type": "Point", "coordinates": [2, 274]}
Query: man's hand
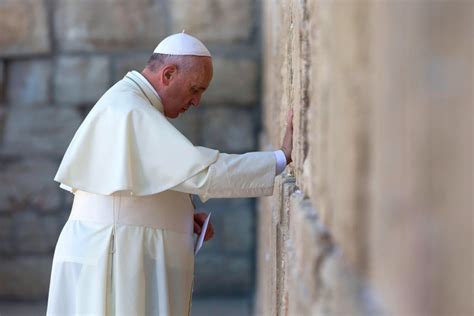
{"type": "Point", "coordinates": [199, 219]}
{"type": "Point", "coordinates": [287, 146]}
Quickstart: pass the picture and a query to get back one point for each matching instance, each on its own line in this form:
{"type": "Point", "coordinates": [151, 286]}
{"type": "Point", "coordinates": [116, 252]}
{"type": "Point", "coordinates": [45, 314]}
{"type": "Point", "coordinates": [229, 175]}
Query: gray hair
{"type": "Point", "coordinates": [156, 61]}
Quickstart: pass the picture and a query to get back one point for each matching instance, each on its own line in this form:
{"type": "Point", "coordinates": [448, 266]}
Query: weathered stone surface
{"type": "Point", "coordinates": [422, 253]}
{"type": "Point", "coordinates": [225, 20]}
{"type": "Point", "coordinates": [105, 25]}
{"type": "Point", "coordinates": [45, 94]}
{"type": "Point", "coordinates": [237, 234]}
{"type": "Point", "coordinates": [3, 117]}
{"type": "Point", "coordinates": [29, 82]}
{"type": "Point", "coordinates": [25, 277]}
{"type": "Point", "coordinates": [2, 81]}
{"type": "Point", "coordinates": [234, 82]}
{"type": "Point", "coordinates": [235, 274]}
{"type": "Point", "coordinates": [188, 125]}
{"type": "Point", "coordinates": [341, 291]}
{"type": "Point", "coordinates": [6, 235]}
{"type": "Point", "coordinates": [378, 152]}
{"type": "Point", "coordinates": [228, 129]}
{"type": "Point", "coordinates": [79, 80]}
{"type": "Point", "coordinates": [45, 130]}
{"type": "Point", "coordinates": [308, 246]}
{"type": "Point", "coordinates": [35, 234]}
{"type": "Point", "coordinates": [125, 64]}
{"type": "Point", "coordinates": [24, 27]}
{"type": "Point", "coordinates": [29, 182]}
{"type": "Point", "coordinates": [264, 281]}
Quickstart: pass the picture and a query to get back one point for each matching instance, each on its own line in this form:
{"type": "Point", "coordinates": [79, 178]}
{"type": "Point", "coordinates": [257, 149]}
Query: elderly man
{"type": "Point", "coordinates": [127, 246]}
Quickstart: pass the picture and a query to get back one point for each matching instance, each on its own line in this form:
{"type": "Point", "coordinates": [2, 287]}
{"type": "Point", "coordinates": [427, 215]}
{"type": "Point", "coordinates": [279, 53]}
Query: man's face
{"type": "Point", "coordinates": [186, 86]}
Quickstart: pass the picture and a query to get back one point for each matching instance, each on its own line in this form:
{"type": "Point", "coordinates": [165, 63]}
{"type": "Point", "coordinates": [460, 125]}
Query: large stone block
{"type": "Point", "coordinates": [34, 233]}
{"type": "Point", "coordinates": [309, 243]}
{"type": "Point", "coordinates": [29, 182]}
{"type": "Point", "coordinates": [2, 81]}
{"type": "Point", "coordinates": [89, 25]}
{"type": "Point", "coordinates": [188, 125]}
{"type": "Point", "coordinates": [81, 80]}
{"type": "Point", "coordinates": [422, 231]}
{"type": "Point", "coordinates": [233, 221]}
{"type": "Point", "coordinates": [123, 65]}
{"type": "Point", "coordinates": [266, 296]}
{"type": "Point", "coordinates": [341, 290]}
{"type": "Point", "coordinates": [25, 277]}
{"type": "Point", "coordinates": [214, 21]}
{"type": "Point", "coordinates": [234, 82]}
{"type": "Point", "coordinates": [3, 117]}
{"type": "Point", "coordinates": [235, 275]}
{"type": "Point", "coordinates": [228, 129]}
{"type": "Point", "coordinates": [6, 235]}
{"type": "Point", "coordinates": [29, 81]}
{"type": "Point", "coordinates": [24, 27]}
{"type": "Point", "coordinates": [45, 130]}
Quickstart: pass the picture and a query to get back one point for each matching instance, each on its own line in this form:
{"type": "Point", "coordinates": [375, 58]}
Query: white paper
{"type": "Point", "coordinates": [200, 239]}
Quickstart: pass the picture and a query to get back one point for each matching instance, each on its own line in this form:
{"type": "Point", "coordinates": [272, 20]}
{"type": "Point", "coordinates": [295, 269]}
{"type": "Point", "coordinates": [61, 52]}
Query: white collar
{"type": "Point", "coordinates": [145, 80]}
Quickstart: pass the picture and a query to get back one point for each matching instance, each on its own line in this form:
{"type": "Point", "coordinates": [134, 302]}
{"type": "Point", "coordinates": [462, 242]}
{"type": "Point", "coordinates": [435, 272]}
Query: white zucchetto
{"type": "Point", "coordinates": [182, 44]}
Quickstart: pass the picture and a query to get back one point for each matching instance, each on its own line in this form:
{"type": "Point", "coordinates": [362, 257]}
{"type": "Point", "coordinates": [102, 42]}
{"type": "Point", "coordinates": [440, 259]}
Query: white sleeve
{"type": "Point", "coordinates": [246, 175]}
{"type": "Point", "coordinates": [280, 161]}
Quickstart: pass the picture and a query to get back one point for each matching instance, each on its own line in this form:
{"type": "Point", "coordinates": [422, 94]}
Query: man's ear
{"type": "Point", "coordinates": [168, 73]}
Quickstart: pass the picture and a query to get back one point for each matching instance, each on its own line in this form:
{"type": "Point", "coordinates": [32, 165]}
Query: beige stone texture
{"type": "Point", "coordinates": [381, 221]}
{"type": "Point", "coordinates": [265, 283]}
{"type": "Point", "coordinates": [267, 265]}
{"type": "Point", "coordinates": [234, 82]}
{"type": "Point", "coordinates": [339, 121]}
{"type": "Point", "coordinates": [2, 81]}
{"type": "Point", "coordinates": [422, 233]}
{"type": "Point", "coordinates": [29, 183]}
{"type": "Point", "coordinates": [90, 25]}
{"type": "Point", "coordinates": [329, 107]}
{"type": "Point", "coordinates": [213, 20]}
{"type": "Point", "coordinates": [26, 133]}
{"type": "Point", "coordinates": [25, 277]}
{"type": "Point", "coordinates": [123, 65]}
{"type": "Point", "coordinates": [307, 247]}
{"type": "Point", "coordinates": [35, 233]}
{"type": "Point", "coordinates": [228, 129]}
{"type": "Point", "coordinates": [188, 125]}
{"type": "Point", "coordinates": [80, 80]}
{"type": "Point", "coordinates": [6, 236]}
{"type": "Point", "coordinates": [24, 28]}
{"type": "Point", "coordinates": [29, 82]}
{"type": "Point", "coordinates": [57, 58]}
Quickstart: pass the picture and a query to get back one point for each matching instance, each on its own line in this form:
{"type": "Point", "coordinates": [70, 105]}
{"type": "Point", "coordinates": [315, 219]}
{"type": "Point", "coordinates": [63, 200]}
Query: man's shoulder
{"type": "Point", "coordinates": [124, 98]}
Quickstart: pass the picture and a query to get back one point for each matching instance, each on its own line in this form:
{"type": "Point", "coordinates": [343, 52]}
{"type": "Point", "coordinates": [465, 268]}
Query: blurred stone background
{"type": "Point", "coordinates": [375, 217]}
{"type": "Point", "coordinates": [57, 57]}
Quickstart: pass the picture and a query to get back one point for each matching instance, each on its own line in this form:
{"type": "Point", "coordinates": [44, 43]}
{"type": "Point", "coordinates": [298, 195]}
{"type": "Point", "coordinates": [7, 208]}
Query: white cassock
{"type": "Point", "coordinates": [127, 246]}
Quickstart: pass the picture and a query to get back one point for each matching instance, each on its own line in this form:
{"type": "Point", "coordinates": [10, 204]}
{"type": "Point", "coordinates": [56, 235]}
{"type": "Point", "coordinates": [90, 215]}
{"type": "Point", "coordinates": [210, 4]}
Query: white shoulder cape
{"type": "Point", "coordinates": [126, 143]}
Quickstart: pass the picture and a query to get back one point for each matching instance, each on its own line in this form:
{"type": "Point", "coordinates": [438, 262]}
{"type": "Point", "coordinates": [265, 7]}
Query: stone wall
{"type": "Point", "coordinates": [57, 57]}
{"type": "Point", "coordinates": [375, 215]}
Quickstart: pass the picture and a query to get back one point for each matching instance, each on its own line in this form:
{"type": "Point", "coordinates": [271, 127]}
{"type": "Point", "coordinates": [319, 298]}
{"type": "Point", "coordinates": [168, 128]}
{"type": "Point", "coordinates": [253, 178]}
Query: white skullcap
{"type": "Point", "coordinates": [182, 44]}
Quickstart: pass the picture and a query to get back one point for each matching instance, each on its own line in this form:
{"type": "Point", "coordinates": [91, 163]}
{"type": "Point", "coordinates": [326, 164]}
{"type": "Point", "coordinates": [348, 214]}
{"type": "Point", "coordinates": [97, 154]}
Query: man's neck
{"type": "Point", "coordinates": [145, 73]}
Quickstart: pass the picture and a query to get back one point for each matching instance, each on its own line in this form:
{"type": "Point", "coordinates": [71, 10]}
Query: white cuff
{"type": "Point", "coordinates": [280, 161]}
